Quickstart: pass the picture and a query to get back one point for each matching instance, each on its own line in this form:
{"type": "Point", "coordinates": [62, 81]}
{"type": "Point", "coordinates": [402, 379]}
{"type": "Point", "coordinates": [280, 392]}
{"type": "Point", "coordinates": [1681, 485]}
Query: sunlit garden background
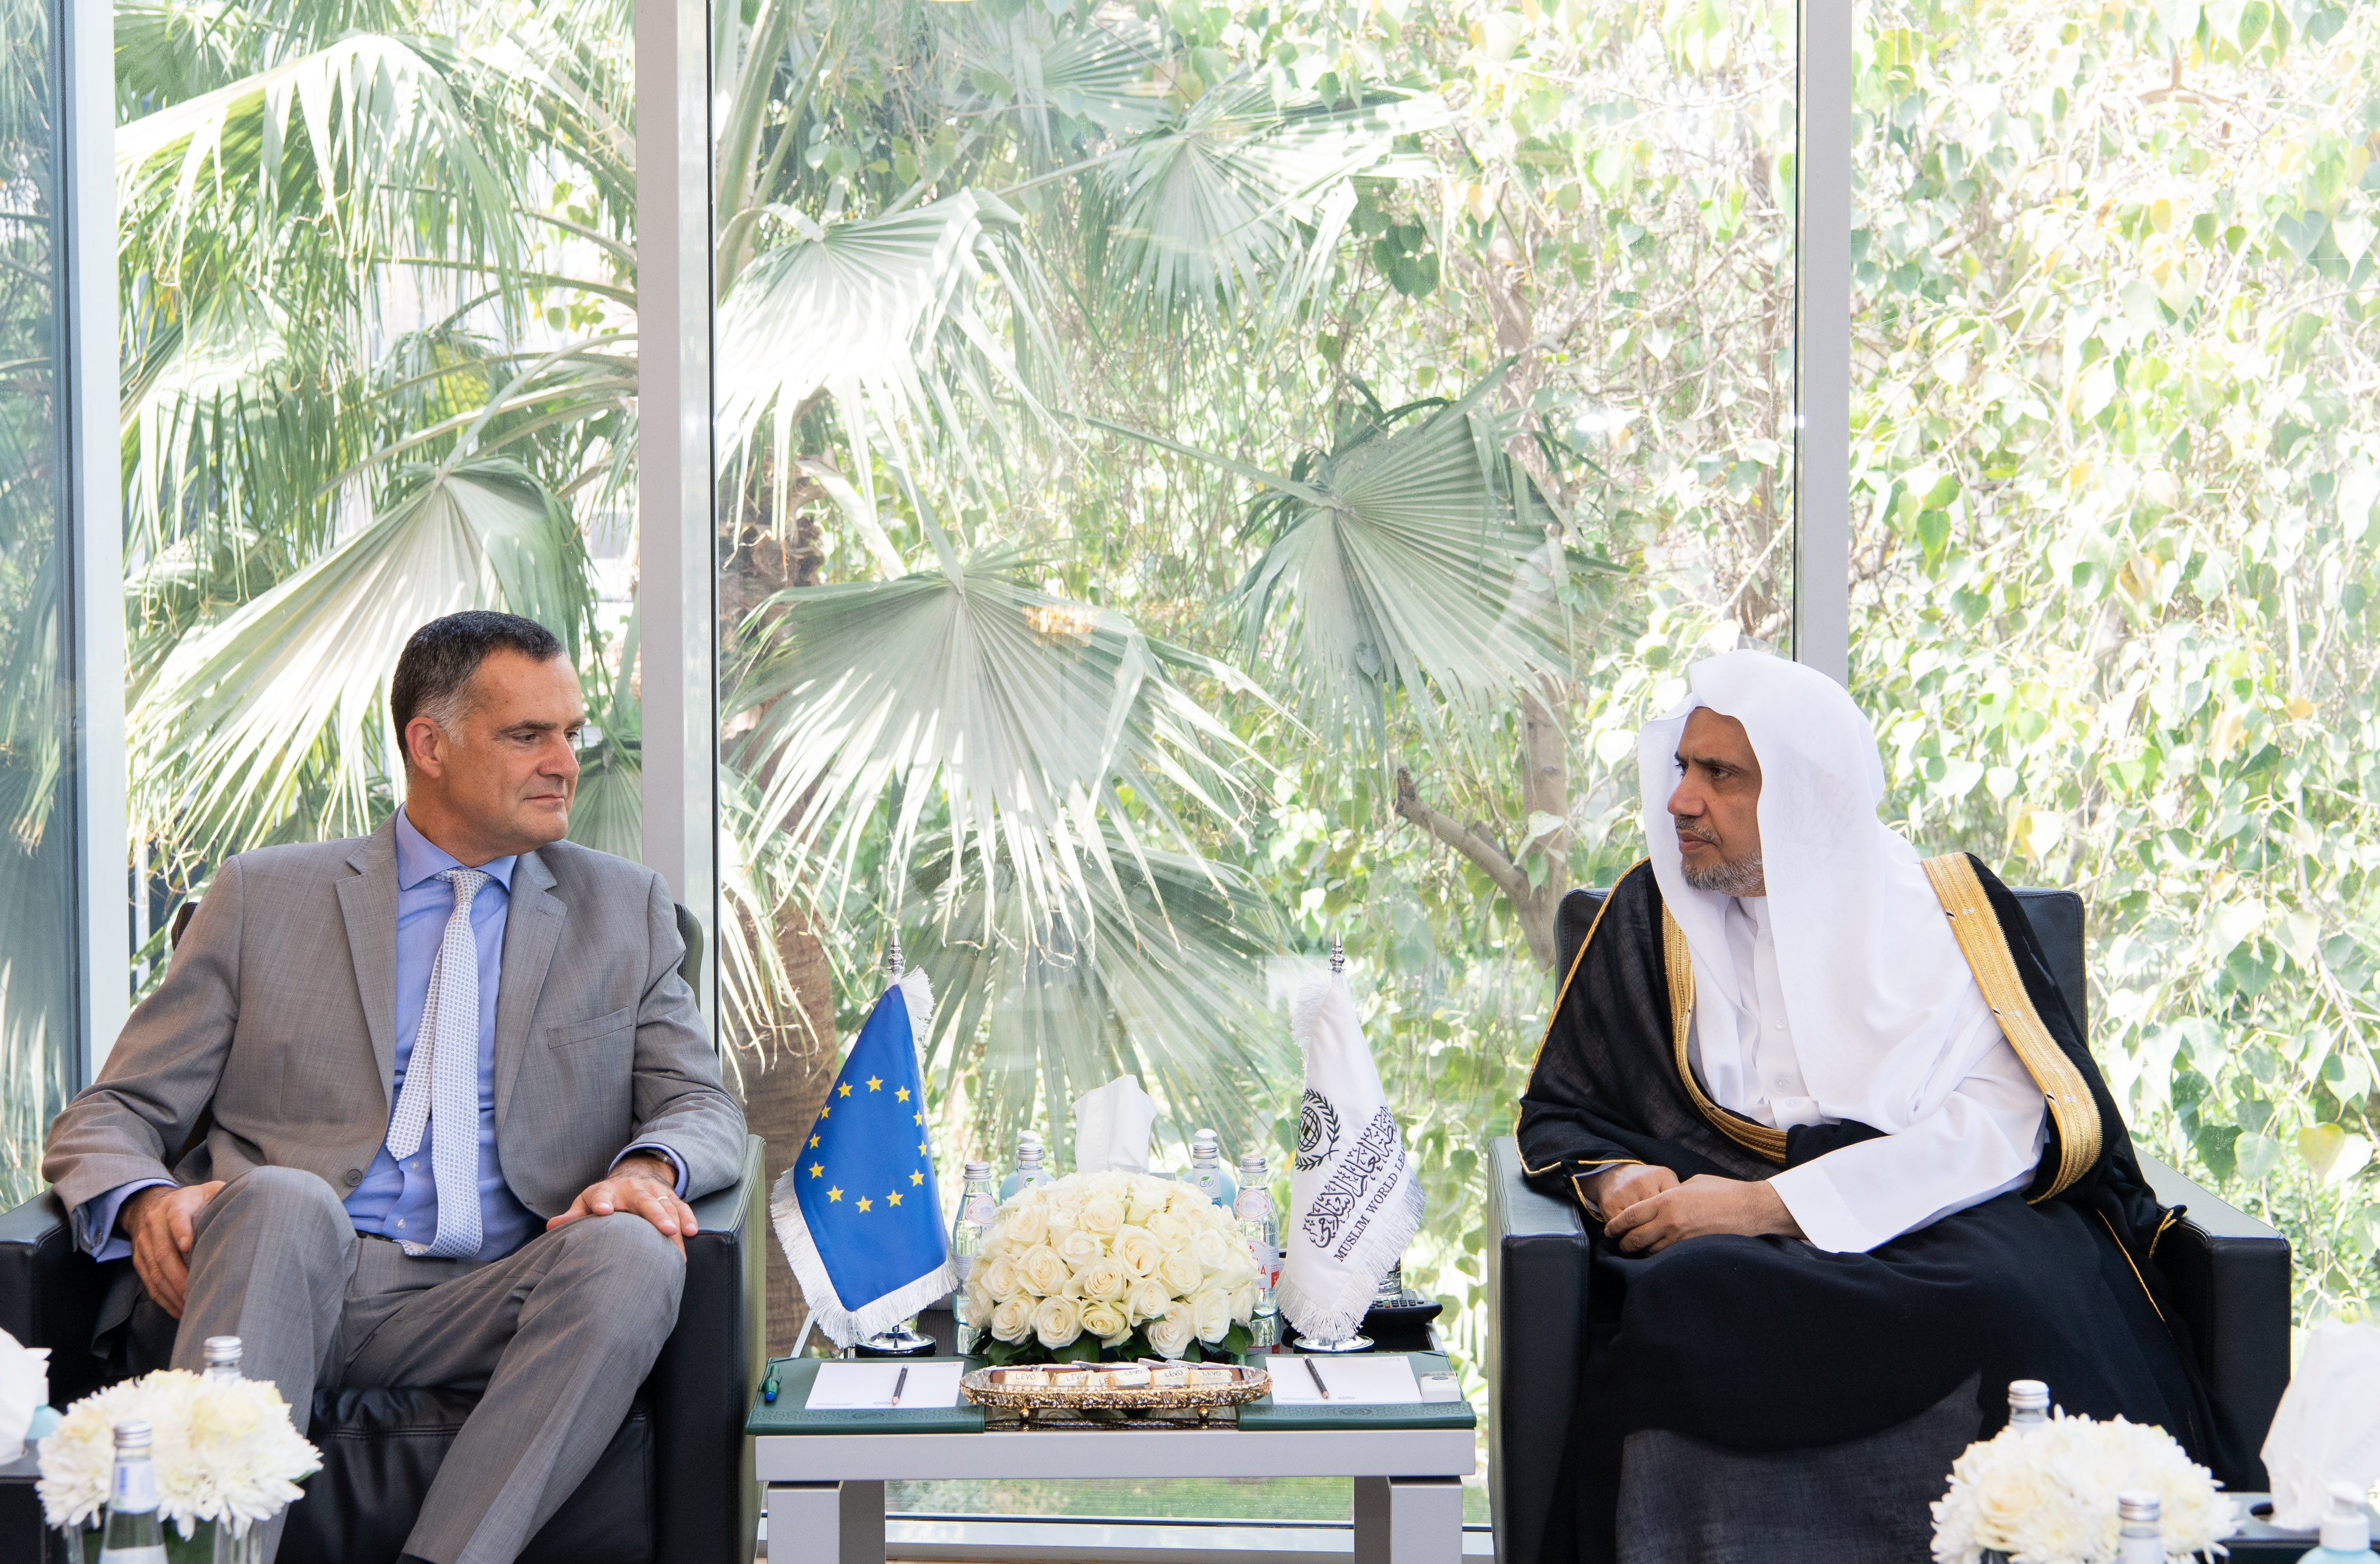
{"type": "Point", "coordinates": [1196, 481]}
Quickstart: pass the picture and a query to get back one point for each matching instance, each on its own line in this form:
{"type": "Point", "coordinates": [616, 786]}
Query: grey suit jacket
{"type": "Point", "coordinates": [279, 1013]}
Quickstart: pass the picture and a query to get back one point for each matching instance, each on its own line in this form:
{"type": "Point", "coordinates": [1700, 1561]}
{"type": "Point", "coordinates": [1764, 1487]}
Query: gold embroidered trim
{"type": "Point", "coordinates": [1564, 993]}
{"type": "Point", "coordinates": [2172, 1215]}
{"type": "Point", "coordinates": [2128, 1260]}
{"type": "Point", "coordinates": [1679, 963]}
{"type": "Point", "coordinates": [1984, 944]}
{"type": "Point", "coordinates": [1588, 1171]}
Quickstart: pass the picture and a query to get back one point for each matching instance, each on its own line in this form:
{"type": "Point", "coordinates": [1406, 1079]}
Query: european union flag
{"type": "Point", "coordinates": [857, 1212]}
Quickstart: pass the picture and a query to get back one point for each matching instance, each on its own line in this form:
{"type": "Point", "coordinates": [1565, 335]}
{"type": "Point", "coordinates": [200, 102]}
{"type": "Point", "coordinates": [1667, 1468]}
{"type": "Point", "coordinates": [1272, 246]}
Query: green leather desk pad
{"type": "Point", "coordinates": [1270, 1415]}
{"type": "Point", "coordinates": [790, 1415]}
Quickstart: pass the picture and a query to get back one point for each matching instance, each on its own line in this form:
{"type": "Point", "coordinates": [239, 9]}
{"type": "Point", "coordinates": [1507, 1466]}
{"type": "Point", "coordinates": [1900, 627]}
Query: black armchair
{"type": "Point", "coordinates": [679, 1469]}
{"type": "Point", "coordinates": [2230, 1272]}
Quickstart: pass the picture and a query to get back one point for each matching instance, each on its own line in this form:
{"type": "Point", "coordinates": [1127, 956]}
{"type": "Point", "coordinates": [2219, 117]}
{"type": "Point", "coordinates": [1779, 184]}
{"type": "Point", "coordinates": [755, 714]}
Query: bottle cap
{"type": "Point", "coordinates": [2139, 1506]}
{"type": "Point", "coordinates": [222, 1351]}
{"type": "Point", "coordinates": [979, 1170]}
{"type": "Point", "coordinates": [2346, 1529]}
{"type": "Point", "coordinates": [1252, 1163]}
{"type": "Point", "coordinates": [132, 1434]}
{"type": "Point", "coordinates": [1027, 1137]}
{"type": "Point", "coordinates": [2028, 1395]}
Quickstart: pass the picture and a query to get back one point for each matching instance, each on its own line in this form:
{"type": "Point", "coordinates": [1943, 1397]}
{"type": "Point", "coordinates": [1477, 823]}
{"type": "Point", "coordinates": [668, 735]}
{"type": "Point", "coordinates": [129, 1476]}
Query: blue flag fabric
{"type": "Point", "coordinates": [857, 1212]}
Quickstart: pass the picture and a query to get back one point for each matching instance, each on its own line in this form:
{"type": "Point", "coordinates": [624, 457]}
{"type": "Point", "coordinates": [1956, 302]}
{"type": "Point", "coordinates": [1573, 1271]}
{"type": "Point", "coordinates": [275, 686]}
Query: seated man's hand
{"type": "Point", "coordinates": [157, 1220]}
{"type": "Point", "coordinates": [1702, 1205]}
{"type": "Point", "coordinates": [1614, 1190]}
{"type": "Point", "coordinates": [642, 1186]}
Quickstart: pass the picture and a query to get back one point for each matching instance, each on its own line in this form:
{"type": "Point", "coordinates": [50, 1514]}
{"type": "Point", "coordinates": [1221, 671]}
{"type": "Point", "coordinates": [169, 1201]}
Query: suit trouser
{"type": "Point", "coordinates": [556, 1336]}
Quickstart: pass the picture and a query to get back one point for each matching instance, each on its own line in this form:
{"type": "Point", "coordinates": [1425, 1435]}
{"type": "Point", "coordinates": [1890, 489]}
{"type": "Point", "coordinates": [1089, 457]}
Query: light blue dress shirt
{"type": "Point", "coordinates": [400, 1201]}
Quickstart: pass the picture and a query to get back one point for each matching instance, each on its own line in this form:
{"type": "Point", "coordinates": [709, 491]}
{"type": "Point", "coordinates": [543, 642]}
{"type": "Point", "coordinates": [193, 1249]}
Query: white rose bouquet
{"type": "Point", "coordinates": [1112, 1262]}
{"type": "Point", "coordinates": [2047, 1495]}
{"type": "Point", "coordinates": [224, 1453]}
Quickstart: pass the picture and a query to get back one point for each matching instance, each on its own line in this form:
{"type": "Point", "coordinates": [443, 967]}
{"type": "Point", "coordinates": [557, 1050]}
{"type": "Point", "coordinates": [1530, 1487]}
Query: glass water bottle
{"type": "Point", "coordinates": [134, 1534]}
{"type": "Point", "coordinates": [967, 1234]}
{"type": "Point", "coordinates": [1205, 1172]}
{"type": "Point", "coordinates": [2141, 1538]}
{"type": "Point", "coordinates": [2028, 1403]}
{"type": "Point", "coordinates": [1030, 1166]}
{"type": "Point", "coordinates": [223, 1355]}
{"type": "Point", "coordinates": [1252, 1208]}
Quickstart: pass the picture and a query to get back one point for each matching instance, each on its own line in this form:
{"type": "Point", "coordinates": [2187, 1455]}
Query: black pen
{"type": "Point", "coordinates": [1316, 1375]}
{"type": "Point", "coordinates": [899, 1380]}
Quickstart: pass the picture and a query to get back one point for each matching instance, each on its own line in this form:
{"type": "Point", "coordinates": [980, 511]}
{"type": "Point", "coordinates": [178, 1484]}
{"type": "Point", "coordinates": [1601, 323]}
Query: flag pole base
{"type": "Point", "coordinates": [898, 1342]}
{"type": "Point", "coordinates": [1359, 1342]}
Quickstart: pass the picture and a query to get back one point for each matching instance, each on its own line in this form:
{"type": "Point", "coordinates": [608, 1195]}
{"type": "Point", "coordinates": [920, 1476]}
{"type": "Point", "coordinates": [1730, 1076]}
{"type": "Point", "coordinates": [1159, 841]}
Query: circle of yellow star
{"type": "Point", "coordinates": [813, 1143]}
{"type": "Point", "coordinates": [875, 1084]}
{"type": "Point", "coordinates": [817, 1168]}
{"type": "Point", "coordinates": [921, 1150]}
{"type": "Point", "coordinates": [827, 1110]}
{"type": "Point", "coordinates": [917, 1118]}
{"type": "Point", "coordinates": [834, 1195]}
{"type": "Point", "coordinates": [863, 1203]}
{"type": "Point", "coordinates": [894, 1198]}
{"type": "Point", "coordinates": [917, 1178]}
{"type": "Point", "coordinates": [842, 1090]}
{"type": "Point", "coordinates": [903, 1095]}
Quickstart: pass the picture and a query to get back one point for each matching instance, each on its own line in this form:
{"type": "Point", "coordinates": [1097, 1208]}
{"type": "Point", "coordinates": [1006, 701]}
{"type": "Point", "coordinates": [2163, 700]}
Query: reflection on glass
{"type": "Point", "coordinates": [2114, 431]}
{"type": "Point", "coordinates": [37, 1037]}
{"type": "Point", "coordinates": [1196, 481]}
{"type": "Point", "coordinates": [389, 376]}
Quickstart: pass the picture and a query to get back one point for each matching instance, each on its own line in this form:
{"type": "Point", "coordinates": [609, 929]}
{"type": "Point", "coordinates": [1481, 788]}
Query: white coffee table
{"type": "Point", "coordinates": [825, 1492]}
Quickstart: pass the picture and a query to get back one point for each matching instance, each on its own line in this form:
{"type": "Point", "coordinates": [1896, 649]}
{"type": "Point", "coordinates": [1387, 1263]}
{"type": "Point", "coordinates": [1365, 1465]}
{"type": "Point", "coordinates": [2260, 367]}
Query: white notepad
{"type": "Point", "coordinates": [1360, 1379]}
{"type": "Point", "coordinates": [848, 1385]}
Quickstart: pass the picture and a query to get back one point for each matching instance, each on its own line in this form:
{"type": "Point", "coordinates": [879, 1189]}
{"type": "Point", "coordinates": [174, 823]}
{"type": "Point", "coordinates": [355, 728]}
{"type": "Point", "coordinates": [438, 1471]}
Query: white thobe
{"type": "Point", "coordinates": [1984, 1140]}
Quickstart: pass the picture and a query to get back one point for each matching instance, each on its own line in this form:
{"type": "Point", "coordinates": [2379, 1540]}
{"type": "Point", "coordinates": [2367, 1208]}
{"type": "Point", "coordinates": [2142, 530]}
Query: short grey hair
{"type": "Point", "coordinates": [435, 669]}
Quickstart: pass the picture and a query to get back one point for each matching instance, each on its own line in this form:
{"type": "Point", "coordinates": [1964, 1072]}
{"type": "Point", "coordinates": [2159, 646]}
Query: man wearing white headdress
{"type": "Point", "coordinates": [1850, 1165]}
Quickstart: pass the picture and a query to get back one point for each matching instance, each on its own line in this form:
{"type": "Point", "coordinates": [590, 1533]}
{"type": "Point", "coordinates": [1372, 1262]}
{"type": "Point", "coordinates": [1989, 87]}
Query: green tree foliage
{"type": "Point", "coordinates": [2118, 359]}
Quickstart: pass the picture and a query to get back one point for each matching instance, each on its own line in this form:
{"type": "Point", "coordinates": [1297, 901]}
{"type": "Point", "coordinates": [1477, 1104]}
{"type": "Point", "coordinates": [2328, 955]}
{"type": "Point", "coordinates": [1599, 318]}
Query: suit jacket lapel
{"type": "Point", "coordinates": [367, 902]}
{"type": "Point", "coordinates": [532, 930]}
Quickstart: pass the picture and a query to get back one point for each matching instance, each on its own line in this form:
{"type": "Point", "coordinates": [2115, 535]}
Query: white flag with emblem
{"type": "Point", "coordinates": [1354, 1201]}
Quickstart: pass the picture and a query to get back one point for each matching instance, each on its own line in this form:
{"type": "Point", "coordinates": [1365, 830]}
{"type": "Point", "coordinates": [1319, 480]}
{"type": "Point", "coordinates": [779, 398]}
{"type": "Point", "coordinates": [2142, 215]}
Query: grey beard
{"type": "Point", "coordinates": [1731, 877]}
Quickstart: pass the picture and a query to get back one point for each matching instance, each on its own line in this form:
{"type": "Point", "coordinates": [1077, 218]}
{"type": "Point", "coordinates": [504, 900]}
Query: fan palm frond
{"type": "Point", "coordinates": [1224, 203]}
{"type": "Point", "coordinates": [289, 695]}
{"type": "Point", "coordinates": [1415, 561]}
{"type": "Point", "coordinates": [879, 316]}
{"type": "Point", "coordinates": [1179, 1001]}
{"type": "Point", "coordinates": [1025, 717]}
{"type": "Point", "coordinates": [1101, 73]}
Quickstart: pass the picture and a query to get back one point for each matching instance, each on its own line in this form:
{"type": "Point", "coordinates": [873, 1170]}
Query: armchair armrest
{"type": "Point", "coordinates": [702, 1384]}
{"type": "Point", "coordinates": [51, 1292]}
{"type": "Point", "coordinates": [1537, 1313]}
{"type": "Point", "coordinates": [2231, 1275]}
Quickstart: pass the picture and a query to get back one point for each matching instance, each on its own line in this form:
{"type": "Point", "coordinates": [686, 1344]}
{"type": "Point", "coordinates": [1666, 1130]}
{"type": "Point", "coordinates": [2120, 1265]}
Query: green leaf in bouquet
{"type": "Point", "coordinates": [1082, 1348]}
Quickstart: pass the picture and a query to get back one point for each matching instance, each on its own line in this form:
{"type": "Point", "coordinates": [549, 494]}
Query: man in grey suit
{"type": "Point", "coordinates": [459, 1095]}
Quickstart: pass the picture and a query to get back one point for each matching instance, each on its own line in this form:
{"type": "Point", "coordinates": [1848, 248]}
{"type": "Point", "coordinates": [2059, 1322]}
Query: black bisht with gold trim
{"type": "Point", "coordinates": [1768, 1344]}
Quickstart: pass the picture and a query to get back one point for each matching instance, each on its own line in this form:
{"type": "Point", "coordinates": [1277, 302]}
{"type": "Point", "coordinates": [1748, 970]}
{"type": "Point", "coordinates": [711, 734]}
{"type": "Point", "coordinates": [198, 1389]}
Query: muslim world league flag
{"type": "Point", "coordinates": [856, 1212]}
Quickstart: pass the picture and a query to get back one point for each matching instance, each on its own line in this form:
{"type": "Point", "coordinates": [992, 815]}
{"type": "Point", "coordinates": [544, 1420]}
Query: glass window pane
{"type": "Point", "coordinates": [353, 406]}
{"type": "Point", "coordinates": [1195, 483]}
{"type": "Point", "coordinates": [2115, 442]}
{"type": "Point", "coordinates": [37, 759]}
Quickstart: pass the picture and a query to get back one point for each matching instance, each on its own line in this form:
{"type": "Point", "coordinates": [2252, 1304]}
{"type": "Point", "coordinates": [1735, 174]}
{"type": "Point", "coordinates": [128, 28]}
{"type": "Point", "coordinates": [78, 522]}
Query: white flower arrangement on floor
{"type": "Point", "coordinates": [2047, 1495]}
{"type": "Point", "coordinates": [226, 1453]}
{"type": "Point", "coordinates": [1121, 1262]}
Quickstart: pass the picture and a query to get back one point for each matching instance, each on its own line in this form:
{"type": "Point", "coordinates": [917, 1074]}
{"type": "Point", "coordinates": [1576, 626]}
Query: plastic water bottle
{"type": "Point", "coordinates": [1205, 1172]}
{"type": "Point", "coordinates": [134, 1534]}
{"type": "Point", "coordinates": [223, 1360]}
{"type": "Point", "coordinates": [2346, 1530]}
{"type": "Point", "coordinates": [968, 1232]}
{"type": "Point", "coordinates": [2028, 1403]}
{"type": "Point", "coordinates": [2141, 1538]}
{"type": "Point", "coordinates": [1252, 1208]}
{"type": "Point", "coordinates": [1030, 1157]}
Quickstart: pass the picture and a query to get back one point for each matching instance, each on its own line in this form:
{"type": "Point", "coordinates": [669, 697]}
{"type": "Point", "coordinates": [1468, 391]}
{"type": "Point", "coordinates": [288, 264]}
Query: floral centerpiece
{"type": "Point", "coordinates": [1123, 1264]}
{"type": "Point", "coordinates": [2047, 1495]}
{"type": "Point", "coordinates": [225, 1453]}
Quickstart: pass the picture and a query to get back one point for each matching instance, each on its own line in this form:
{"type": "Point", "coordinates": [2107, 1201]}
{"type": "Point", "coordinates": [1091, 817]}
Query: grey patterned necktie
{"type": "Point", "coordinates": [441, 1082]}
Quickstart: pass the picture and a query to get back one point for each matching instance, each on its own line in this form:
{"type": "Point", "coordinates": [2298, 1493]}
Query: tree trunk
{"type": "Point", "coordinates": [1545, 795]}
{"type": "Point", "coordinates": [783, 1086]}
